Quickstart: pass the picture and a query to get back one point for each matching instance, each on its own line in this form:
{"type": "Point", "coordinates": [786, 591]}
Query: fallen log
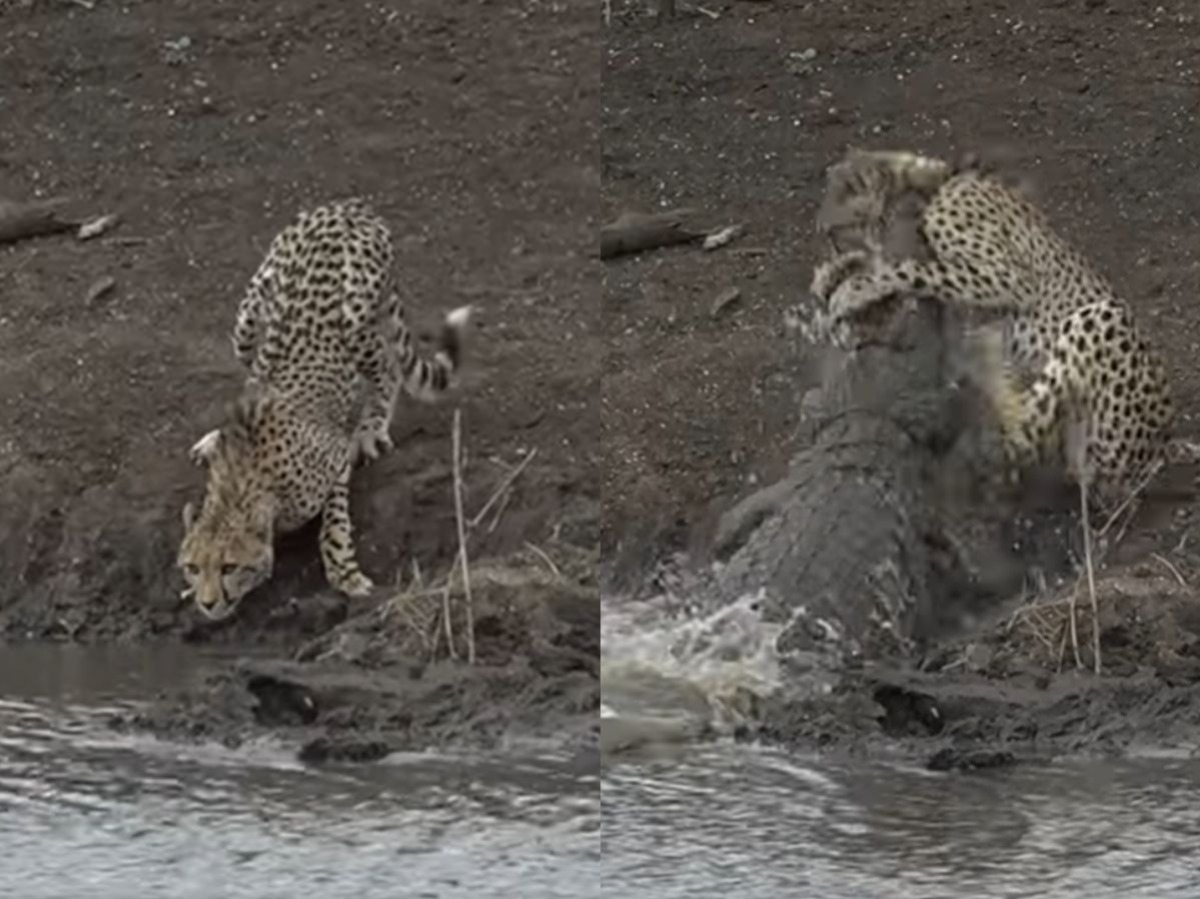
{"type": "Point", "coordinates": [635, 232]}
{"type": "Point", "coordinates": [21, 220]}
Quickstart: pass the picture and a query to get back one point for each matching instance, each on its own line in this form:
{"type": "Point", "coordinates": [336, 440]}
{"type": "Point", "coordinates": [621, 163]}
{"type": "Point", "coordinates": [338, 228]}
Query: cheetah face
{"type": "Point", "coordinates": [220, 566]}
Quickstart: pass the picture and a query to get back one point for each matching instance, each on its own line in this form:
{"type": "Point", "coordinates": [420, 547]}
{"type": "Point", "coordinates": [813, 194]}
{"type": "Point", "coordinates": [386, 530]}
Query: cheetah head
{"type": "Point", "coordinates": [223, 557]}
{"type": "Point", "coordinates": [227, 549]}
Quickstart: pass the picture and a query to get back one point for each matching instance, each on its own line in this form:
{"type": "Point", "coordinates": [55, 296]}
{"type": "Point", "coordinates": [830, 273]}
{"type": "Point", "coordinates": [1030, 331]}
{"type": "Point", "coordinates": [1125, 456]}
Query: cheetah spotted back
{"type": "Point", "coordinates": [1099, 394]}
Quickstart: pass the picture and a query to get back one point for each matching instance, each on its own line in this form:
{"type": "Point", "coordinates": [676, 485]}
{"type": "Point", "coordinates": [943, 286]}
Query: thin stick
{"type": "Point", "coordinates": [1171, 568]}
{"type": "Point", "coordinates": [462, 535]}
{"type": "Point", "coordinates": [1074, 631]}
{"type": "Point", "coordinates": [1151, 471]}
{"type": "Point", "coordinates": [1091, 576]}
{"type": "Point", "coordinates": [541, 554]}
{"type": "Point", "coordinates": [500, 511]}
{"type": "Point", "coordinates": [447, 626]}
{"type": "Point", "coordinates": [504, 485]}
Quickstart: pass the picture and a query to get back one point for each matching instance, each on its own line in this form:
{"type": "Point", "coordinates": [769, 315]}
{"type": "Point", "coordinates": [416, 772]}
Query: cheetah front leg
{"type": "Point", "coordinates": [963, 281]}
{"type": "Point", "coordinates": [816, 325]}
{"type": "Point", "coordinates": [337, 540]}
{"type": "Point", "coordinates": [831, 273]}
{"type": "Point", "coordinates": [851, 295]}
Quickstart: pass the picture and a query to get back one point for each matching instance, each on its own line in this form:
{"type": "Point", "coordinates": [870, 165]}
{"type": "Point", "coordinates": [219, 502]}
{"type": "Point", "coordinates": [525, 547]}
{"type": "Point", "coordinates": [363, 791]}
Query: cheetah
{"type": "Point", "coordinates": [871, 206]}
{"type": "Point", "coordinates": [322, 335]}
{"type": "Point", "coordinates": [1098, 394]}
{"type": "Point", "coordinates": [871, 197]}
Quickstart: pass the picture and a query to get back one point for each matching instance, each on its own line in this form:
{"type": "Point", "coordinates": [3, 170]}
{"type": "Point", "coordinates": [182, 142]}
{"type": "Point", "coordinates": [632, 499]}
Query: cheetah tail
{"type": "Point", "coordinates": [1181, 451]}
{"type": "Point", "coordinates": [427, 379]}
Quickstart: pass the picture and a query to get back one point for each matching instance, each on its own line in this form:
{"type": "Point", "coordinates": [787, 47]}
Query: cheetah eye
{"type": "Point", "coordinates": [229, 570]}
{"type": "Point", "coordinates": [191, 570]}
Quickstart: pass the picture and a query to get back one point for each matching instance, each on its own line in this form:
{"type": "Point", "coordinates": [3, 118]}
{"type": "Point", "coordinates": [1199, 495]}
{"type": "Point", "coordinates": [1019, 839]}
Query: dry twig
{"type": "Point", "coordinates": [1077, 450]}
{"type": "Point", "coordinates": [462, 535]}
{"type": "Point", "coordinates": [499, 512]}
{"type": "Point", "coordinates": [1171, 568]}
{"type": "Point", "coordinates": [541, 554]}
{"type": "Point", "coordinates": [1141, 485]}
{"type": "Point", "coordinates": [504, 485]}
{"type": "Point", "coordinates": [1091, 579]}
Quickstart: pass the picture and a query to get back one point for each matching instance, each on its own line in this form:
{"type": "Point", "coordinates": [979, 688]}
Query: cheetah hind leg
{"type": "Point", "coordinates": [337, 541]}
{"type": "Point", "coordinates": [1027, 418]}
{"type": "Point", "coordinates": [395, 367]}
{"type": "Point", "coordinates": [380, 367]}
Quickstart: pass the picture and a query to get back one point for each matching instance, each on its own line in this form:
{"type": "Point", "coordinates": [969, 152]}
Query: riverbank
{"type": "Point", "coordinates": [764, 97]}
{"type": "Point", "coordinates": [207, 128]}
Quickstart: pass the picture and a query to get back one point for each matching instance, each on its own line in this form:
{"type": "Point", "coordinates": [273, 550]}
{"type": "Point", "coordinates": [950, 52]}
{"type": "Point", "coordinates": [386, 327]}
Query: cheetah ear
{"type": "Point", "coordinates": [189, 515]}
{"type": "Point", "coordinates": [262, 524]}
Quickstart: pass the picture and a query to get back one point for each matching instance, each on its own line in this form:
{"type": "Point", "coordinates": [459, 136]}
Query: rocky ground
{"type": "Point", "coordinates": [736, 116]}
{"type": "Point", "coordinates": [473, 129]}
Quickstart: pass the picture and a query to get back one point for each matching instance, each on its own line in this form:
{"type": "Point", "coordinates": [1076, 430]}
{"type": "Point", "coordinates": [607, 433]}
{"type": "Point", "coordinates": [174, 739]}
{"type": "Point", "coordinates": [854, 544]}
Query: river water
{"type": "Point", "coordinates": [88, 812]}
{"type": "Point", "coordinates": [687, 817]}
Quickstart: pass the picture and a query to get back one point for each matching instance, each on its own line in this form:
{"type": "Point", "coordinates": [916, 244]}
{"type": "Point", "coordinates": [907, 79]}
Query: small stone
{"type": "Point", "coordinates": [99, 290]}
{"type": "Point", "coordinates": [175, 52]}
{"type": "Point", "coordinates": [98, 226]}
{"type": "Point", "coordinates": [724, 300]}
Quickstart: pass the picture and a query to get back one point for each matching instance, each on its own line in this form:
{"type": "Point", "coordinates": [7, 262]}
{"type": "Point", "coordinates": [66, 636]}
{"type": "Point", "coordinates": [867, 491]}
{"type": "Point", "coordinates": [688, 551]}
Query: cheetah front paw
{"type": "Point", "coordinates": [204, 448]}
{"type": "Point", "coordinates": [370, 442]}
{"type": "Point", "coordinates": [829, 275]}
{"type": "Point", "coordinates": [854, 295]}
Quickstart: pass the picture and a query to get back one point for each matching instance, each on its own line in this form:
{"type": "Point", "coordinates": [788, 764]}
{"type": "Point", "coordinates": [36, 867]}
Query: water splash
{"type": "Point", "coordinates": [668, 664]}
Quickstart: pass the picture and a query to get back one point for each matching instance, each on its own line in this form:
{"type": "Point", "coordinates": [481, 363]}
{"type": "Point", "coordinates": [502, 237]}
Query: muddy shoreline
{"type": "Point", "coordinates": [999, 695]}
{"type": "Point", "coordinates": [764, 98]}
{"type": "Point", "coordinates": [473, 132]}
{"type": "Point", "coordinates": [380, 680]}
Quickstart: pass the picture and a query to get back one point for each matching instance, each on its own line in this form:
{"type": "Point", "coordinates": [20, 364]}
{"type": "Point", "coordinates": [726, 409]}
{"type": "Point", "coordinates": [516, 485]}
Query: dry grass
{"type": "Point", "coordinates": [1048, 624]}
{"type": "Point", "coordinates": [415, 614]}
{"type": "Point", "coordinates": [428, 610]}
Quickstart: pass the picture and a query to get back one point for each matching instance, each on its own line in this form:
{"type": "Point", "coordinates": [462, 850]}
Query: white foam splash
{"type": "Point", "coordinates": [661, 660]}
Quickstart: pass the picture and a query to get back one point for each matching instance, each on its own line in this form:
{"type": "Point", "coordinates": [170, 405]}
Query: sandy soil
{"type": "Point", "coordinates": [1090, 102]}
{"type": "Point", "coordinates": [472, 128]}
{"type": "Point", "coordinates": [737, 116]}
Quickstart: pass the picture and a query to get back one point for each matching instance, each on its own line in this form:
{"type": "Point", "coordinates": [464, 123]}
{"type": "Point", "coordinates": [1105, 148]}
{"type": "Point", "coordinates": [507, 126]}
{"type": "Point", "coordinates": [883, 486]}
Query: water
{"type": "Point", "coordinates": [87, 812]}
{"type": "Point", "coordinates": [685, 817]}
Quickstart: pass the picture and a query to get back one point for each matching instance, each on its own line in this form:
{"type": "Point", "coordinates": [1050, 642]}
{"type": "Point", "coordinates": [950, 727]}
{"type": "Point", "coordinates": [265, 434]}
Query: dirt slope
{"type": "Point", "coordinates": [472, 128]}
